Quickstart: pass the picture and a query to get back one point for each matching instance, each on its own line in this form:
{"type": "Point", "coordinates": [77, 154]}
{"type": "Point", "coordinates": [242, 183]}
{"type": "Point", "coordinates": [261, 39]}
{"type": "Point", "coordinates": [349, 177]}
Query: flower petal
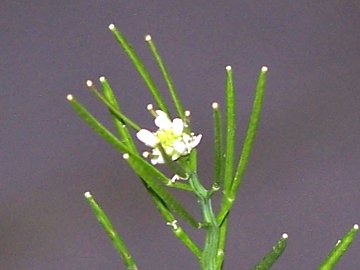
{"type": "Point", "coordinates": [180, 147]}
{"type": "Point", "coordinates": [177, 126]}
{"type": "Point", "coordinates": [147, 137]}
{"type": "Point", "coordinates": [162, 120]}
{"type": "Point", "coordinates": [186, 138]}
{"type": "Point", "coordinates": [156, 157]}
{"type": "Point", "coordinates": [195, 141]}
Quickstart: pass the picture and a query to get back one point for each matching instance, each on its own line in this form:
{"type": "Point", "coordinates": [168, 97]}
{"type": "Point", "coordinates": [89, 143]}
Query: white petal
{"type": "Point", "coordinates": [180, 147]}
{"type": "Point", "coordinates": [156, 157]}
{"type": "Point", "coordinates": [186, 138]}
{"type": "Point", "coordinates": [162, 120]}
{"type": "Point", "coordinates": [177, 126]}
{"type": "Point", "coordinates": [195, 141]}
{"type": "Point", "coordinates": [147, 137]}
{"type": "Point", "coordinates": [160, 113]}
{"type": "Point", "coordinates": [154, 161]}
{"type": "Point", "coordinates": [157, 160]}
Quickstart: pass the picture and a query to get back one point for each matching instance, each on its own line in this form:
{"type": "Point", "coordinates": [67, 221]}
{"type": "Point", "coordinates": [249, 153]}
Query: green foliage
{"type": "Point", "coordinates": [273, 254]}
{"type": "Point", "coordinates": [227, 178]}
{"type": "Point", "coordinates": [116, 239]}
{"type": "Point", "coordinates": [339, 250]}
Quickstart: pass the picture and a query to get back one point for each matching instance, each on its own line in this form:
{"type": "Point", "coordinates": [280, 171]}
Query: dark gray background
{"type": "Point", "coordinates": [303, 177]}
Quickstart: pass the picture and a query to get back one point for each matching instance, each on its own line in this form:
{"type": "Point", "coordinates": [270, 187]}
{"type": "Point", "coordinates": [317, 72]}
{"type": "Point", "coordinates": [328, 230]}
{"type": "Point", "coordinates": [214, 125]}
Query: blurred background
{"type": "Point", "coordinates": [303, 177]}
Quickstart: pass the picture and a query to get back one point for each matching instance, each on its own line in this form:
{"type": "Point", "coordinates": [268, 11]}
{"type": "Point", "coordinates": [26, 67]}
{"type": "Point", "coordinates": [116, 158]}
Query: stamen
{"type": "Point", "coordinates": [69, 97]}
{"type": "Point", "coordinates": [187, 114]}
{"type": "Point", "coordinates": [102, 79]}
{"type": "Point", "coordinates": [111, 27]}
{"type": "Point", "coordinates": [126, 156]}
{"type": "Point", "coordinates": [285, 236]}
{"type": "Point", "coordinates": [87, 194]}
{"type": "Point", "coordinates": [228, 68]}
{"type": "Point", "coordinates": [150, 108]}
{"type": "Point", "coordinates": [264, 69]}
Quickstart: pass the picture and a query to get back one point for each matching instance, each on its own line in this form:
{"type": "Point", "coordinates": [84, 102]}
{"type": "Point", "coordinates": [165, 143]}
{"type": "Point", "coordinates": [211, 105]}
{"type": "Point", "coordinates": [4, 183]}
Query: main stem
{"type": "Point", "coordinates": [209, 254]}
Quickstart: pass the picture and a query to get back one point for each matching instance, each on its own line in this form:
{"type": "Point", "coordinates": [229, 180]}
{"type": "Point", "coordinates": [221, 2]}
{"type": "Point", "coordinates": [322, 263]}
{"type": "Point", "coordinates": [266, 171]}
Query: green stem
{"type": "Point", "coordinates": [222, 242]}
{"type": "Point", "coordinates": [177, 230]}
{"type": "Point", "coordinates": [209, 254]}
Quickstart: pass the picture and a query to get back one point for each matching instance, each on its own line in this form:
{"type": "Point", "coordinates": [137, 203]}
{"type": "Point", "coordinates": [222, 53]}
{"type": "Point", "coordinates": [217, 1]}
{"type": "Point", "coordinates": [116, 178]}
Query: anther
{"type": "Point", "coordinates": [150, 108]}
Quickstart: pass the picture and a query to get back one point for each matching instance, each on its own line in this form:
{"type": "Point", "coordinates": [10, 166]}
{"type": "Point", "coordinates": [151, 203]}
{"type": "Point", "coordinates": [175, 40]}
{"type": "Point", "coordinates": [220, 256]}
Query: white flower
{"type": "Point", "coordinates": [171, 136]}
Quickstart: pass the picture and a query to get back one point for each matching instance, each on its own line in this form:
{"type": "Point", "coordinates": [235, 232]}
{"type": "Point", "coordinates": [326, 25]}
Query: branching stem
{"type": "Point", "coordinates": [209, 254]}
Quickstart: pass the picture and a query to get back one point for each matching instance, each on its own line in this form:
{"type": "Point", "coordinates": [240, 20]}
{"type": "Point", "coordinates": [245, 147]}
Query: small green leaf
{"type": "Point", "coordinates": [224, 160]}
{"type": "Point", "coordinates": [116, 239]}
{"type": "Point", "coordinates": [229, 197]}
{"type": "Point", "coordinates": [218, 147]}
{"type": "Point", "coordinates": [251, 131]}
{"type": "Point", "coordinates": [97, 126]}
{"type": "Point", "coordinates": [113, 109]}
{"type": "Point", "coordinates": [273, 255]}
{"type": "Point", "coordinates": [179, 107]}
{"type": "Point", "coordinates": [230, 130]}
{"type": "Point", "coordinates": [339, 250]}
{"type": "Point", "coordinates": [140, 68]}
{"type": "Point", "coordinates": [120, 125]}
